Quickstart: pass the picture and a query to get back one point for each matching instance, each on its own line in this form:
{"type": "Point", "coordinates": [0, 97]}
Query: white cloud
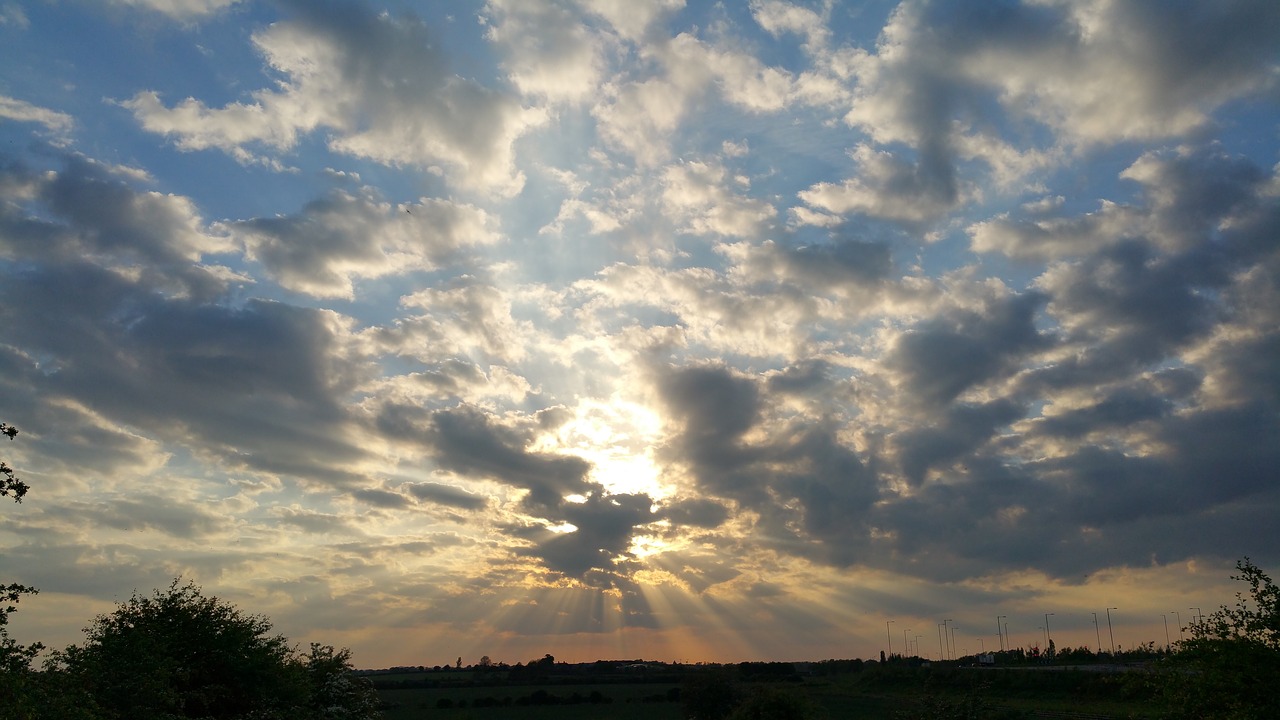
{"type": "Point", "coordinates": [697, 193]}
{"type": "Point", "coordinates": [22, 111]}
{"type": "Point", "coordinates": [549, 52]}
{"type": "Point", "coordinates": [180, 9]}
{"type": "Point", "coordinates": [631, 18]}
{"type": "Point", "coordinates": [380, 88]}
{"type": "Point", "coordinates": [777, 17]}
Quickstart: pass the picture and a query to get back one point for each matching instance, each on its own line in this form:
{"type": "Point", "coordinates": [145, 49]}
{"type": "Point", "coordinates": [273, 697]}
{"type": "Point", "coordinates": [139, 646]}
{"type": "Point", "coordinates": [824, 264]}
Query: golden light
{"type": "Point", "coordinates": [617, 437]}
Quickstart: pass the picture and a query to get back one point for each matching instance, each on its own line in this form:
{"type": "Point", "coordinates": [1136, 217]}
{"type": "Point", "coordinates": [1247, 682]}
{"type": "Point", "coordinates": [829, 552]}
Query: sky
{"type": "Point", "coordinates": [673, 330]}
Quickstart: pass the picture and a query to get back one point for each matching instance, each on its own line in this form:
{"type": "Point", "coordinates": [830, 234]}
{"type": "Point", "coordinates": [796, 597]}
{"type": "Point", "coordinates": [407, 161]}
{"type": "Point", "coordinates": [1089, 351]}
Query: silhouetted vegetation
{"type": "Point", "coordinates": [1230, 668]}
{"type": "Point", "coordinates": [179, 654]}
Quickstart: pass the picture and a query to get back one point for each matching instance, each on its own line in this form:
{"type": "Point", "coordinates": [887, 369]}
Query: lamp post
{"type": "Point", "coordinates": [1110, 633]}
{"type": "Point", "coordinates": [1097, 633]}
{"type": "Point", "coordinates": [1179, 616]}
{"type": "Point", "coordinates": [1199, 615]}
{"type": "Point", "coordinates": [999, 633]}
{"type": "Point", "coordinates": [906, 647]}
{"type": "Point", "coordinates": [888, 635]}
{"type": "Point", "coordinates": [945, 630]}
{"type": "Point", "coordinates": [1167, 642]}
{"type": "Point", "coordinates": [918, 644]}
{"type": "Point", "coordinates": [942, 654]}
{"type": "Point", "coordinates": [953, 642]}
{"type": "Point", "coordinates": [1048, 637]}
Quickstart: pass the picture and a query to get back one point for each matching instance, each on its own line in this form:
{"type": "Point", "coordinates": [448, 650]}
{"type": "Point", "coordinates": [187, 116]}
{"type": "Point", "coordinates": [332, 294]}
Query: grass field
{"type": "Point", "coordinates": [853, 696]}
{"type": "Point", "coordinates": [628, 702]}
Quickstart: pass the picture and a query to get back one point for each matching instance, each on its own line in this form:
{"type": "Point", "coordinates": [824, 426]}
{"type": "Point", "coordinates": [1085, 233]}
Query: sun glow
{"type": "Point", "coordinates": [617, 437]}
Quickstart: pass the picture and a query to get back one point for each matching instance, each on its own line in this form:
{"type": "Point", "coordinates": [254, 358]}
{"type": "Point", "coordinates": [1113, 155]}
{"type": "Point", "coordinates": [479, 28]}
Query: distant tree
{"type": "Point", "coordinates": [179, 654]}
{"type": "Point", "coordinates": [485, 661]}
{"type": "Point", "coordinates": [1230, 668]}
{"type": "Point", "coordinates": [709, 695]}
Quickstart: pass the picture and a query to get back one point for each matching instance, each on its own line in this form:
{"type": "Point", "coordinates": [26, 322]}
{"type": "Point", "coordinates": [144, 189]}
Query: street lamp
{"type": "Point", "coordinates": [950, 652]}
{"type": "Point", "coordinates": [1179, 616]}
{"type": "Point", "coordinates": [1111, 634]}
{"type": "Point", "coordinates": [886, 633]}
{"type": "Point", "coordinates": [999, 633]}
{"type": "Point", "coordinates": [1097, 633]}
{"type": "Point", "coordinates": [1167, 641]}
{"type": "Point", "coordinates": [906, 647]}
{"type": "Point", "coordinates": [918, 644]}
{"type": "Point", "coordinates": [1048, 638]}
{"type": "Point", "coordinates": [953, 642]}
{"type": "Point", "coordinates": [1199, 616]}
{"type": "Point", "coordinates": [942, 654]}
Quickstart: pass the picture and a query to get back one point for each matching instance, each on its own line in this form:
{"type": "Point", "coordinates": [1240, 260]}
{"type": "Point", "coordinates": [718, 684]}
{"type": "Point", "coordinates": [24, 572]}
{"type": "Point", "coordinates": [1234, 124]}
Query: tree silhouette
{"type": "Point", "coordinates": [1230, 667]}
{"type": "Point", "coordinates": [179, 654]}
{"type": "Point", "coordinates": [10, 485]}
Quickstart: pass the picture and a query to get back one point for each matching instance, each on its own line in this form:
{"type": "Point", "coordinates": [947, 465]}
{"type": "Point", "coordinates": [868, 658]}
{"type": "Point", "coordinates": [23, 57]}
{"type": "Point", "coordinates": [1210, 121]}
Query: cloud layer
{"type": "Point", "coordinates": [609, 323]}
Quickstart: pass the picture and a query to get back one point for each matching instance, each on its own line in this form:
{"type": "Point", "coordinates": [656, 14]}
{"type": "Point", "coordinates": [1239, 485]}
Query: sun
{"type": "Point", "coordinates": [618, 438]}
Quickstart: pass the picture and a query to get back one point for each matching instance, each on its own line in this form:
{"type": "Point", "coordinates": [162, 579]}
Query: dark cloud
{"type": "Point", "coordinates": [381, 498]}
{"type": "Point", "coordinates": [447, 495]}
{"type": "Point", "coordinates": [318, 523]}
{"type": "Point", "coordinates": [694, 512]}
{"type": "Point", "coordinates": [258, 386]}
{"type": "Point", "coordinates": [143, 511]}
{"type": "Point", "coordinates": [1121, 409]}
{"type": "Point", "coordinates": [87, 210]}
{"type": "Point", "coordinates": [805, 378]}
{"type": "Point", "coordinates": [714, 404]}
{"type": "Point", "coordinates": [810, 490]}
{"type": "Point", "coordinates": [341, 236]}
{"type": "Point", "coordinates": [962, 429]}
{"type": "Point", "coordinates": [605, 526]}
{"type": "Point", "coordinates": [943, 357]}
{"type": "Point", "coordinates": [465, 441]}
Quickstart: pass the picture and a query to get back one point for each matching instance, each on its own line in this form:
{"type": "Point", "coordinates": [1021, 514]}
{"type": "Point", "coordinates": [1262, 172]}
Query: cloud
{"type": "Point", "coordinates": [696, 192]}
{"type": "Point", "coordinates": [942, 358]}
{"type": "Point", "coordinates": [375, 83]}
{"type": "Point", "coordinates": [466, 441]}
{"type": "Point", "coordinates": [470, 319]}
{"type": "Point", "coordinates": [890, 188]}
{"type": "Point", "coordinates": [180, 9]}
{"type": "Point", "coordinates": [447, 495]}
{"type": "Point", "coordinates": [550, 53]}
{"type": "Point", "coordinates": [631, 19]}
{"type": "Point", "coordinates": [604, 526]}
{"type": "Point", "coordinates": [22, 111]}
{"type": "Point", "coordinates": [341, 237]}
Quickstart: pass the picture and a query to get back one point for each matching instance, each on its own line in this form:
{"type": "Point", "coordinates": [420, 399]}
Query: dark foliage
{"type": "Point", "coordinates": [10, 485]}
{"type": "Point", "coordinates": [1230, 668]}
{"type": "Point", "coordinates": [179, 654]}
